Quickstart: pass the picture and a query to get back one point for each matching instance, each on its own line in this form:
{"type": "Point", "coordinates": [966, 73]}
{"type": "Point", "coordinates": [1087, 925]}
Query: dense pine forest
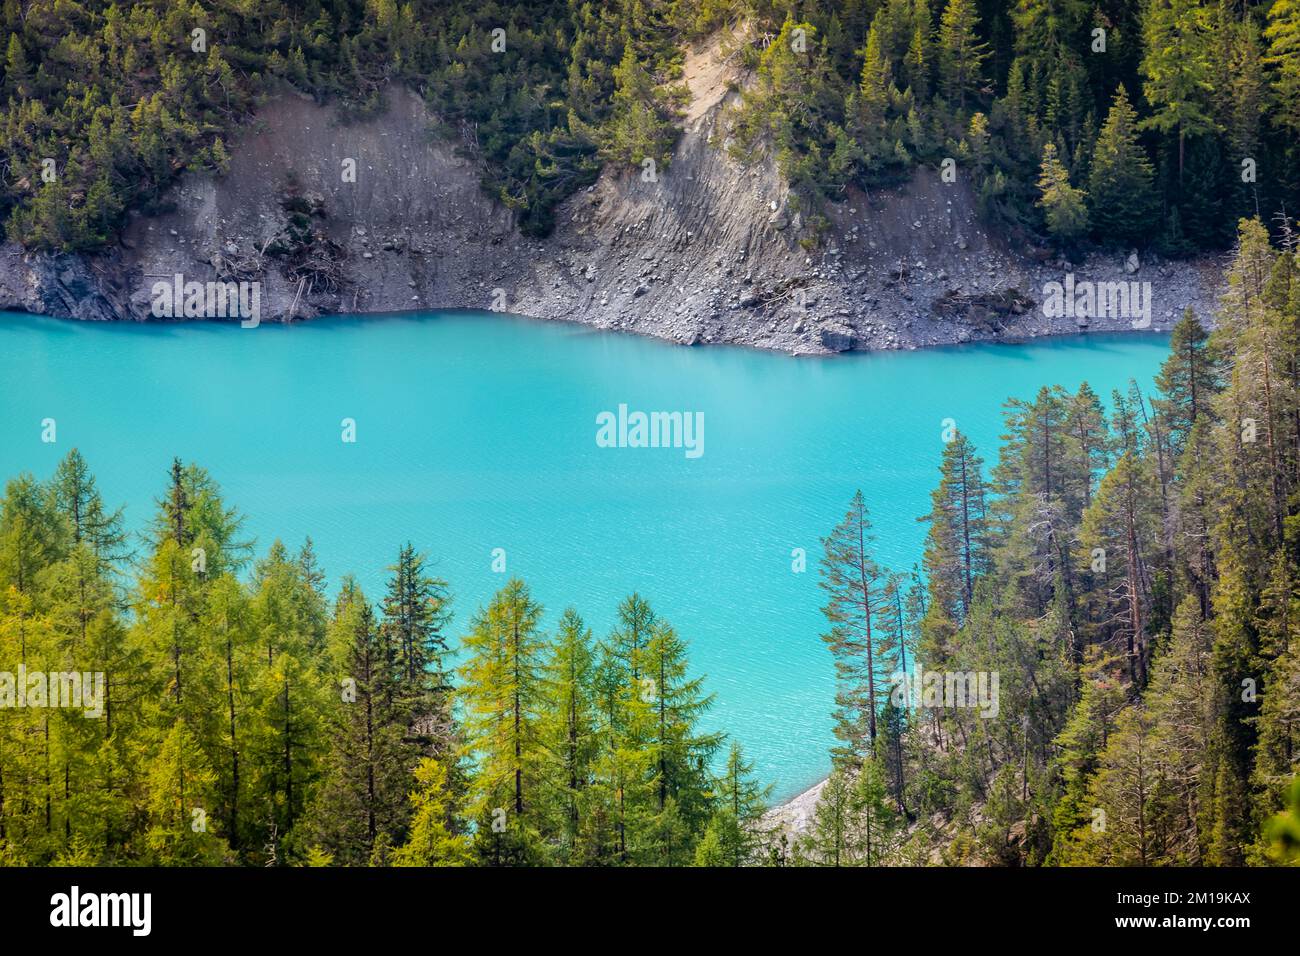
{"type": "Point", "coordinates": [1157, 123]}
{"type": "Point", "coordinates": [1132, 579]}
{"type": "Point", "coordinates": [245, 717]}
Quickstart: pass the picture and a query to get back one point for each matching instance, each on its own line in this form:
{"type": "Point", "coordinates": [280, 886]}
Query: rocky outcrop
{"type": "Point", "coordinates": [62, 285]}
{"type": "Point", "coordinates": [707, 250]}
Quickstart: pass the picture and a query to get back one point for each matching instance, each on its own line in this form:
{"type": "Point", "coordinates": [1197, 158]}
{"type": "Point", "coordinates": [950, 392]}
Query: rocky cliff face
{"type": "Point", "coordinates": [708, 251]}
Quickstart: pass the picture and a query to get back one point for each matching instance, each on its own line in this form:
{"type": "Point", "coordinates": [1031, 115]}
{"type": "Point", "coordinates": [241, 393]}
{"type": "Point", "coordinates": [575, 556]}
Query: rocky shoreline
{"type": "Point", "coordinates": [794, 816]}
{"type": "Point", "coordinates": [710, 252]}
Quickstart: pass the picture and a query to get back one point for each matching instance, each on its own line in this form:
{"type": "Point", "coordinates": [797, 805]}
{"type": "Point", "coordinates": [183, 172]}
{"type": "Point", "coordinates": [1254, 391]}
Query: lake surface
{"type": "Point", "coordinates": [477, 432]}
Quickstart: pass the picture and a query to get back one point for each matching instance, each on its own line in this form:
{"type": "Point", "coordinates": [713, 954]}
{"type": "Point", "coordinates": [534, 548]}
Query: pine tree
{"type": "Point", "coordinates": [1118, 533]}
{"type": "Point", "coordinates": [1085, 449]}
{"type": "Point", "coordinates": [640, 126]}
{"type": "Point", "coordinates": [1031, 507]}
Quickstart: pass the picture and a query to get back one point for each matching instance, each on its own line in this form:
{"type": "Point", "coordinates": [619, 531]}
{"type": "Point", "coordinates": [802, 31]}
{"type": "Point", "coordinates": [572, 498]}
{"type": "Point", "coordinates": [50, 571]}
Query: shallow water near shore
{"type": "Point", "coordinates": [477, 432]}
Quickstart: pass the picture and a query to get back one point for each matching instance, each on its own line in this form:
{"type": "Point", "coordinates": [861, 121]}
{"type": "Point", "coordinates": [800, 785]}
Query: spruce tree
{"type": "Point", "coordinates": [1063, 206]}
{"type": "Point", "coordinates": [361, 804]}
{"type": "Point", "coordinates": [1121, 201]}
{"type": "Point", "coordinates": [415, 617]}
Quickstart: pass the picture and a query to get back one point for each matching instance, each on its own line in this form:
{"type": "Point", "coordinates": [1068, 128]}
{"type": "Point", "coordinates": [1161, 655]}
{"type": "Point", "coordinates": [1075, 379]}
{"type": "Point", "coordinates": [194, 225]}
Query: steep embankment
{"type": "Point", "coordinates": [708, 252]}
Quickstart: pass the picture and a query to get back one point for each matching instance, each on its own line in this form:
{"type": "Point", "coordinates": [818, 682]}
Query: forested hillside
{"type": "Point", "coordinates": [1130, 577]}
{"type": "Point", "coordinates": [1154, 124]}
{"type": "Point", "coordinates": [1122, 583]}
{"type": "Point", "coordinates": [247, 717]}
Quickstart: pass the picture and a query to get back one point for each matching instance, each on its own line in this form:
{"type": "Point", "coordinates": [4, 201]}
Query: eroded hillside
{"type": "Point", "coordinates": [708, 250]}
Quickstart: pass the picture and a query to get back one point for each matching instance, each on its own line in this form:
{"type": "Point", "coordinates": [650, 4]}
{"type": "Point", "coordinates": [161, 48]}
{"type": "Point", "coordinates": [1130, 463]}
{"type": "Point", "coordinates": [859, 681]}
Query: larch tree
{"type": "Point", "coordinates": [570, 726]}
{"type": "Point", "coordinates": [735, 833]}
{"type": "Point", "coordinates": [432, 842]}
{"type": "Point", "coordinates": [956, 543]}
{"type": "Point", "coordinates": [856, 589]}
{"type": "Point", "coordinates": [680, 750]}
{"type": "Point", "coordinates": [1175, 69]}
{"type": "Point", "coordinates": [961, 53]}
{"type": "Point", "coordinates": [503, 695]}
{"type": "Point", "coordinates": [1283, 61]}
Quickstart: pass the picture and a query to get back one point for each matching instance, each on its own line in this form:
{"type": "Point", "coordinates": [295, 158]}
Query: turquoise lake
{"type": "Point", "coordinates": [477, 432]}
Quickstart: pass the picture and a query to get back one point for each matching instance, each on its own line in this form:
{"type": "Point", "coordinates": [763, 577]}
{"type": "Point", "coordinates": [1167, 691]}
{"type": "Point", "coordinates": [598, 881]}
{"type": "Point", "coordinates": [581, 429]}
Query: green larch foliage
{"type": "Point", "coordinates": [503, 696]}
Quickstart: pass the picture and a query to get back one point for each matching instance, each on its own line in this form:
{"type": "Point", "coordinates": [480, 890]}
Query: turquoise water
{"type": "Point", "coordinates": [476, 432]}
